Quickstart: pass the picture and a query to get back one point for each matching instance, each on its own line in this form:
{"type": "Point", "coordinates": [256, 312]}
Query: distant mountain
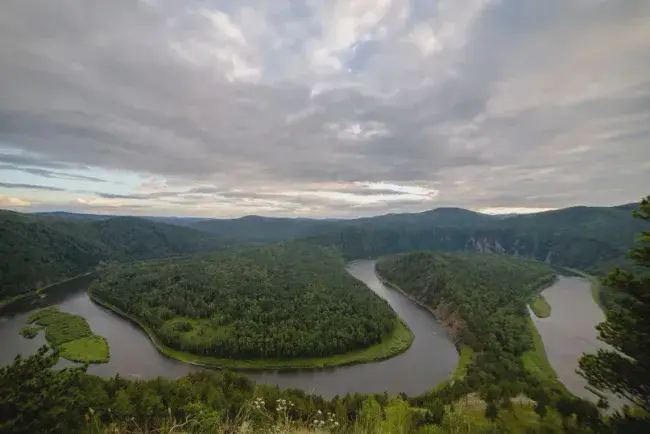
{"type": "Point", "coordinates": [41, 248]}
{"type": "Point", "coordinates": [72, 215]}
{"type": "Point", "coordinates": [588, 238]}
{"type": "Point", "coordinates": [439, 217]}
{"type": "Point", "coordinates": [37, 250]}
{"type": "Point", "coordinates": [179, 221]}
{"type": "Point", "coordinates": [256, 229]}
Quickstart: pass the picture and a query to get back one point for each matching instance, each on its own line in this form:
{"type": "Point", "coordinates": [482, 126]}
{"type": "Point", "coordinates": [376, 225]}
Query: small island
{"type": "Point", "coordinates": [30, 332]}
{"type": "Point", "coordinates": [70, 335]}
{"type": "Point", "coordinates": [540, 307]}
{"type": "Point", "coordinates": [282, 307]}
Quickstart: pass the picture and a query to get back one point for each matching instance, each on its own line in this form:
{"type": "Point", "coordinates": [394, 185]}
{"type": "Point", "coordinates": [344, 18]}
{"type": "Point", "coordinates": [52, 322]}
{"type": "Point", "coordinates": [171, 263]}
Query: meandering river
{"type": "Point", "coordinates": [570, 331]}
{"type": "Point", "coordinates": [429, 360]}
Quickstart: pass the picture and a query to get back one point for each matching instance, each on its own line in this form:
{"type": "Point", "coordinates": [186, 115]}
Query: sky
{"type": "Point", "coordinates": [322, 108]}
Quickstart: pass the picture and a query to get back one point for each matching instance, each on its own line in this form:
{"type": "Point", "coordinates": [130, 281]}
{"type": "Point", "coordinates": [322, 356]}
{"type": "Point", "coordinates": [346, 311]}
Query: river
{"type": "Point", "coordinates": [428, 362]}
{"type": "Point", "coordinates": [570, 331]}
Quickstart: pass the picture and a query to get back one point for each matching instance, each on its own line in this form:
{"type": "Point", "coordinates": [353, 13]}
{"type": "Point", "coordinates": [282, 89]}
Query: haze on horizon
{"type": "Point", "coordinates": [339, 108]}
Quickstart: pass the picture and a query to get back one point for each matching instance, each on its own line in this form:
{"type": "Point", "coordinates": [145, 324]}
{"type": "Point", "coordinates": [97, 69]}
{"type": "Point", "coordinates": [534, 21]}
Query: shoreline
{"type": "Point", "coordinates": [421, 304]}
{"type": "Point", "coordinates": [537, 352]}
{"type": "Point", "coordinates": [36, 292]}
{"type": "Point", "coordinates": [465, 352]}
{"type": "Point", "coordinates": [397, 343]}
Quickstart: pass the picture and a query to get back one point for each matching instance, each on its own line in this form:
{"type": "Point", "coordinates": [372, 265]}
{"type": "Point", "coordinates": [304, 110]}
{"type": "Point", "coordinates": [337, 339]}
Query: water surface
{"type": "Point", "coordinates": [429, 361]}
{"type": "Point", "coordinates": [570, 331]}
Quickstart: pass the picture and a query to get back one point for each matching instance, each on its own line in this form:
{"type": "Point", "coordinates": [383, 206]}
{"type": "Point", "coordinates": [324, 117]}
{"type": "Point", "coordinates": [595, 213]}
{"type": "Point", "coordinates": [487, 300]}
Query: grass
{"type": "Point", "coordinates": [536, 362]}
{"type": "Point", "coordinates": [72, 335]}
{"type": "Point", "coordinates": [29, 332]}
{"type": "Point", "coordinates": [395, 343]}
{"type": "Point", "coordinates": [466, 357]}
{"type": "Point", "coordinates": [540, 307]}
{"type": "Point", "coordinates": [92, 349]}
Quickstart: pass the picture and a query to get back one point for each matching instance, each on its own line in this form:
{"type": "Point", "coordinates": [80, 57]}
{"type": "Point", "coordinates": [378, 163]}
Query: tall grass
{"type": "Point", "coordinates": [71, 335]}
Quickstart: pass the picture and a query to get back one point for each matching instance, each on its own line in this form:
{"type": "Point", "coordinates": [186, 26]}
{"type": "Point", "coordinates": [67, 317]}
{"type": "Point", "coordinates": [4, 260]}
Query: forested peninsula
{"type": "Point", "coordinates": [481, 299]}
{"type": "Point", "coordinates": [283, 306]}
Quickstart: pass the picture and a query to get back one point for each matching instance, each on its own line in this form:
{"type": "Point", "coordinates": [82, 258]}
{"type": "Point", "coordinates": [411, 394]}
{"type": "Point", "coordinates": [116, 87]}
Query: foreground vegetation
{"type": "Point", "coordinates": [625, 369]}
{"type": "Point", "coordinates": [275, 303]}
{"type": "Point", "coordinates": [37, 398]}
{"type": "Point", "coordinates": [71, 336]}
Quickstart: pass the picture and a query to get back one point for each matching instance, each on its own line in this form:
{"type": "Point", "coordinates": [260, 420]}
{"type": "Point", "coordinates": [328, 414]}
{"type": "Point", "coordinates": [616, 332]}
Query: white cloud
{"type": "Point", "coordinates": [14, 202]}
{"type": "Point", "coordinates": [513, 210]}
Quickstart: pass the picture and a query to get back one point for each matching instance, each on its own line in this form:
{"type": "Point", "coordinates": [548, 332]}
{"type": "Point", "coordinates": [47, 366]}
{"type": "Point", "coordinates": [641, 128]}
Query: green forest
{"type": "Point", "coordinates": [295, 300]}
{"type": "Point", "coordinates": [38, 398]}
{"type": "Point", "coordinates": [482, 298]}
{"type": "Point", "coordinates": [37, 251]}
{"type": "Point", "coordinates": [283, 301]}
{"type": "Point", "coordinates": [588, 238]}
{"type": "Point", "coordinates": [41, 249]}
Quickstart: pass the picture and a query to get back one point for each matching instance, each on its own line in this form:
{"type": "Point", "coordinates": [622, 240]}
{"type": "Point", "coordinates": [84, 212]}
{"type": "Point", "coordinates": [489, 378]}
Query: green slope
{"type": "Point", "coordinates": [274, 302]}
{"type": "Point", "coordinates": [482, 300]}
{"type": "Point", "coordinates": [40, 250]}
{"type": "Point", "coordinates": [591, 239]}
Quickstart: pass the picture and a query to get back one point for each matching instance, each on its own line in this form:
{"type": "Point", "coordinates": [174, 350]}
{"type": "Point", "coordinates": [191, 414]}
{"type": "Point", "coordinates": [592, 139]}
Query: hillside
{"type": "Point", "coordinates": [280, 302]}
{"type": "Point", "coordinates": [481, 299]}
{"type": "Point", "coordinates": [40, 250]}
{"type": "Point", "coordinates": [267, 230]}
{"type": "Point", "coordinates": [588, 238]}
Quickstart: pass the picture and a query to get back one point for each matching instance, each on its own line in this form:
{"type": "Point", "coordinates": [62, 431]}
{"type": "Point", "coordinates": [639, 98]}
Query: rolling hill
{"type": "Point", "coordinates": [40, 250]}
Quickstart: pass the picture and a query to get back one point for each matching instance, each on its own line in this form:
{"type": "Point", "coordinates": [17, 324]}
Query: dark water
{"type": "Point", "coordinates": [429, 361]}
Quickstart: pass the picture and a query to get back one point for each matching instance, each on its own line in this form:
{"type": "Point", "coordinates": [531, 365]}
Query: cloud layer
{"type": "Point", "coordinates": [323, 108]}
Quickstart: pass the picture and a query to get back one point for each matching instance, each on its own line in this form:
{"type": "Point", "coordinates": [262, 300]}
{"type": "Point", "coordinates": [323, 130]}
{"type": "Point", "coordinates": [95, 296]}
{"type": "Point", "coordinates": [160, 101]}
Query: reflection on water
{"type": "Point", "coordinates": [429, 361]}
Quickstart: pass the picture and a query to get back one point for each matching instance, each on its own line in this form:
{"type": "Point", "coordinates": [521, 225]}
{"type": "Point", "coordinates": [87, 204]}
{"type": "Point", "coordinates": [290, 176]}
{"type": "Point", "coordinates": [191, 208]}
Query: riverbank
{"type": "Point", "coordinates": [39, 291]}
{"type": "Point", "coordinates": [466, 354]}
{"type": "Point", "coordinates": [394, 344]}
{"type": "Point", "coordinates": [451, 325]}
{"type": "Point", "coordinates": [535, 360]}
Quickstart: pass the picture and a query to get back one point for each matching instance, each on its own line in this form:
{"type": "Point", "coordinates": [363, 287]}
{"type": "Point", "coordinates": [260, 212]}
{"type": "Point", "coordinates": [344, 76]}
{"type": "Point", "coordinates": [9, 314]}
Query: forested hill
{"type": "Point", "coordinates": [481, 298]}
{"type": "Point", "coordinates": [39, 250]}
{"type": "Point", "coordinates": [281, 301]}
{"type": "Point", "coordinates": [588, 238]}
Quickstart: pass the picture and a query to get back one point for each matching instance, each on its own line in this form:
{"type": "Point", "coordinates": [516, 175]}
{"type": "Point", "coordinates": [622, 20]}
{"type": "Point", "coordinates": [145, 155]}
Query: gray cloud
{"type": "Point", "coordinates": [524, 103]}
{"type": "Point", "coordinates": [45, 173]}
{"type": "Point", "coordinates": [30, 186]}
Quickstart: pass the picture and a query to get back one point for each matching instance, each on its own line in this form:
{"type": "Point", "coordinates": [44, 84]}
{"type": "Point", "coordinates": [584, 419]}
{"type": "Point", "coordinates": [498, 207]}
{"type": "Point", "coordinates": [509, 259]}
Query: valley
{"type": "Point", "coordinates": [442, 316]}
{"type": "Point", "coordinates": [430, 359]}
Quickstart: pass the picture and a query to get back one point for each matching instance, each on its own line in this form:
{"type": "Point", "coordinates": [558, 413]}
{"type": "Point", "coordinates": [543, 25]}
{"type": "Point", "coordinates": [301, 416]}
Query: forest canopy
{"type": "Point", "coordinates": [485, 296]}
{"type": "Point", "coordinates": [282, 301]}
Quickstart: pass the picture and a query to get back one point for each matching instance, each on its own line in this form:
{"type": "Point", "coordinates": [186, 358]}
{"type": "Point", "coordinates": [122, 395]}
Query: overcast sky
{"type": "Point", "coordinates": [322, 107]}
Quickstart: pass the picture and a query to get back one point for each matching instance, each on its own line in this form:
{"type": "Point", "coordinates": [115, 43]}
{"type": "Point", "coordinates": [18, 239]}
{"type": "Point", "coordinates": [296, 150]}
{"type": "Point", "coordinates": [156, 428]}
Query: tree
{"type": "Point", "coordinates": [36, 398]}
{"type": "Point", "coordinates": [626, 371]}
